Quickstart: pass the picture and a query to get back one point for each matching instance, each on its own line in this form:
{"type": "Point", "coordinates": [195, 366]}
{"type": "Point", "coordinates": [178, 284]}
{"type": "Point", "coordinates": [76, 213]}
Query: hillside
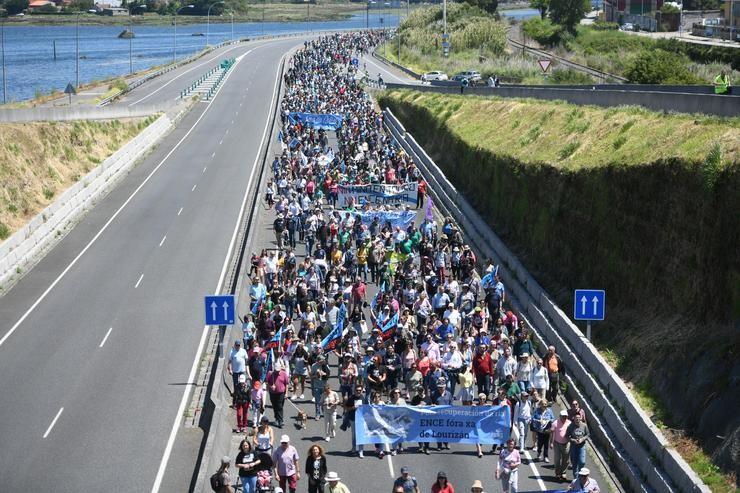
{"type": "Point", "coordinates": [40, 160]}
{"type": "Point", "coordinates": [642, 204]}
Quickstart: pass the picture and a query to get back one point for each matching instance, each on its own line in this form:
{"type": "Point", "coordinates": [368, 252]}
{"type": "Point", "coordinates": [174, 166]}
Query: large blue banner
{"type": "Point", "coordinates": [378, 194]}
{"type": "Point", "coordinates": [326, 121]}
{"type": "Point", "coordinates": [402, 219]}
{"type": "Point", "coordinates": [454, 424]}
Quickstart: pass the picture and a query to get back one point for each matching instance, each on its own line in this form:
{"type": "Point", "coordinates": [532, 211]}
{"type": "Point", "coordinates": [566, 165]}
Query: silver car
{"type": "Point", "coordinates": [433, 75]}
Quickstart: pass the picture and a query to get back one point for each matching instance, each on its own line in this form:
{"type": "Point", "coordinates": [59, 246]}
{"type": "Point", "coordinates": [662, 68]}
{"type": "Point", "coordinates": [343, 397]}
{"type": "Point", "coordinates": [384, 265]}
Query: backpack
{"type": "Point", "coordinates": [216, 483]}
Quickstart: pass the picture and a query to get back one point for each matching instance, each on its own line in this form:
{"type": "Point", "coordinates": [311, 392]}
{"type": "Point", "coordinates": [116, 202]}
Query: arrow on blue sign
{"type": "Point", "coordinates": [589, 304]}
{"type": "Point", "coordinates": [219, 310]}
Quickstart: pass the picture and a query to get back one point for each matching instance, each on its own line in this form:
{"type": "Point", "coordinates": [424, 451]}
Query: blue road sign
{"type": "Point", "coordinates": [589, 304]}
{"type": "Point", "coordinates": [220, 310]}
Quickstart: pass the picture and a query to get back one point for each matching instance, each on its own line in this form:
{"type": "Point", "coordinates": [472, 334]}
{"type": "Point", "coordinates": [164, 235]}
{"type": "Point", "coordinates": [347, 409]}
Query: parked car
{"type": "Point", "coordinates": [471, 75]}
{"type": "Point", "coordinates": [627, 26]}
{"type": "Point", "coordinates": [433, 75]}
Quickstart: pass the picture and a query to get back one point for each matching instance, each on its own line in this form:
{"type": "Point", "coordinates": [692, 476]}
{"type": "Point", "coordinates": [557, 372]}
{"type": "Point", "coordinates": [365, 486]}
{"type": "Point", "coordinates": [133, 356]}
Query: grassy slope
{"type": "Point", "coordinates": [537, 131]}
{"type": "Point", "coordinates": [646, 221]}
{"type": "Point", "coordinates": [40, 160]}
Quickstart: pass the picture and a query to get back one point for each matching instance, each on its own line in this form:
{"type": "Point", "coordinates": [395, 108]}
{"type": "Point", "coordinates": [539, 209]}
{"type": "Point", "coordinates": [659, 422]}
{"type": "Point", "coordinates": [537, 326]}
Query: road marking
{"type": "Point", "coordinates": [390, 463]}
{"type": "Point", "coordinates": [383, 69]}
{"type": "Point", "coordinates": [189, 70]}
{"type": "Point", "coordinates": [206, 328]}
{"type": "Point", "coordinates": [194, 186]}
{"type": "Point", "coordinates": [240, 104]}
{"type": "Point", "coordinates": [180, 211]}
{"type": "Point", "coordinates": [213, 155]}
{"type": "Point", "coordinates": [102, 343]}
{"type": "Point", "coordinates": [220, 141]}
{"type": "Point", "coordinates": [48, 430]}
{"type": "Point", "coordinates": [139, 281]}
{"type": "Point", "coordinates": [105, 226]}
{"type": "Point", "coordinates": [526, 455]}
{"type": "Point", "coordinates": [205, 168]}
{"type": "Point", "coordinates": [232, 122]}
{"type": "Point", "coordinates": [163, 238]}
{"type": "Point", "coordinates": [227, 130]}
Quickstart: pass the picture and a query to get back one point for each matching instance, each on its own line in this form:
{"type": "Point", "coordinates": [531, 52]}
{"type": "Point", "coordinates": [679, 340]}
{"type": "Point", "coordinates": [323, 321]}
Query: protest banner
{"type": "Point", "coordinates": [402, 219]}
{"type": "Point", "coordinates": [317, 120]}
{"type": "Point", "coordinates": [378, 194]}
{"type": "Point", "coordinates": [453, 424]}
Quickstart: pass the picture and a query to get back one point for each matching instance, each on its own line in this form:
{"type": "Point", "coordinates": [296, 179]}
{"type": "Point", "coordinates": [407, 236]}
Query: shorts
{"type": "Point", "coordinates": [291, 480]}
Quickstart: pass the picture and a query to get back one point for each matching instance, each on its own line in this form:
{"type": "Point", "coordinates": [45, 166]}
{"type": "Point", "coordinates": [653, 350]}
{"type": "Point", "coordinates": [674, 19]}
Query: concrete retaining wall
{"type": "Point", "coordinates": [76, 113]}
{"type": "Point", "coordinates": [35, 237]}
{"type": "Point", "coordinates": [709, 104]}
{"type": "Point", "coordinates": [637, 449]}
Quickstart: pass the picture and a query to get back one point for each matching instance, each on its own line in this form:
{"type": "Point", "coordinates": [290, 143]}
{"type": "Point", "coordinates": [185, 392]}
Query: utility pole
{"type": "Point", "coordinates": [263, 17]}
{"type": "Point", "coordinates": [77, 52]}
{"type": "Point", "coordinates": [5, 82]}
{"type": "Point", "coordinates": [174, 36]}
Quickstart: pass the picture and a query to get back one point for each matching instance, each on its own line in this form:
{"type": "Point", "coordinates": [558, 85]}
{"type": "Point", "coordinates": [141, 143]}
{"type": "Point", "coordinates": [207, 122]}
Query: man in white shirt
{"type": "Point", "coordinates": [237, 364]}
{"type": "Point", "coordinates": [453, 314]}
{"type": "Point", "coordinates": [584, 483]}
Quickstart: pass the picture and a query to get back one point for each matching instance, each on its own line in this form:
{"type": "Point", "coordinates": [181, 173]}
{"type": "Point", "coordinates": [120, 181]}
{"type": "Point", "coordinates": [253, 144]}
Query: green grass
{"type": "Point", "coordinates": [552, 132]}
{"type": "Point", "coordinates": [710, 473]}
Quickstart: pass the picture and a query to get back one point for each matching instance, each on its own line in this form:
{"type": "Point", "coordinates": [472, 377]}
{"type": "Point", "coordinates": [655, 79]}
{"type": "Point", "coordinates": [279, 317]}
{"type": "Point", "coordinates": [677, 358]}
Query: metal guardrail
{"type": "Point", "coordinates": [194, 85]}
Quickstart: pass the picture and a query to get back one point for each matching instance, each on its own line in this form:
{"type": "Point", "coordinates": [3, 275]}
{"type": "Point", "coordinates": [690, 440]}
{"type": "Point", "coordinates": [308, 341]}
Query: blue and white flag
{"type": "Point", "coordinates": [389, 327]}
{"type": "Point", "coordinates": [267, 367]}
{"type": "Point", "coordinates": [455, 424]}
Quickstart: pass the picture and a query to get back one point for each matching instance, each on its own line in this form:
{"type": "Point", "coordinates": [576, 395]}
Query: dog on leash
{"type": "Point", "coordinates": [302, 419]}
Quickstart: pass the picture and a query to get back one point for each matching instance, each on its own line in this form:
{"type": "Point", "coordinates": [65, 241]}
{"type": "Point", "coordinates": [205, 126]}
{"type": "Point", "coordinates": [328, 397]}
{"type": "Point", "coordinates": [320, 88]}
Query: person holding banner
{"type": "Point", "coordinates": [507, 468]}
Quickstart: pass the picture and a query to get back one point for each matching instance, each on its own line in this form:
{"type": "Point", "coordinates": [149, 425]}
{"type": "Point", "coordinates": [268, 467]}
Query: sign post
{"type": "Point", "coordinates": [220, 310]}
{"type": "Point", "coordinates": [544, 64]}
{"type": "Point", "coordinates": [588, 305]}
{"type": "Point", "coordinates": [70, 90]}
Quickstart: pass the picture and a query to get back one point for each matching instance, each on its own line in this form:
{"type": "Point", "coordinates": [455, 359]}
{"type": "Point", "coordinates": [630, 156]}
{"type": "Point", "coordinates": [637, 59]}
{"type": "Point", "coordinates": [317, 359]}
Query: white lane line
{"type": "Point", "coordinates": [139, 281]}
{"type": "Point", "coordinates": [194, 187]}
{"type": "Point", "coordinates": [162, 242]}
{"type": "Point", "coordinates": [210, 60]}
{"type": "Point", "coordinates": [220, 141]}
{"type": "Point", "coordinates": [206, 328]}
{"type": "Point", "coordinates": [390, 462]}
{"type": "Point", "coordinates": [214, 154]}
{"type": "Point", "coordinates": [383, 69]}
{"type": "Point", "coordinates": [227, 130]}
{"type": "Point", "coordinates": [204, 169]}
{"type": "Point", "coordinates": [48, 430]}
{"type": "Point", "coordinates": [102, 343]}
{"type": "Point", "coordinates": [180, 211]}
{"type": "Point", "coordinates": [108, 223]}
{"type": "Point", "coordinates": [240, 104]}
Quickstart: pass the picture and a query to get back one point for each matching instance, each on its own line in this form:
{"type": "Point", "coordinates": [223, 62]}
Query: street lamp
{"type": "Point", "coordinates": [131, 37]}
{"type": "Point", "coordinates": [208, 20]}
{"type": "Point", "coordinates": [308, 14]}
{"type": "Point", "coordinates": [77, 52]}
{"type": "Point", "coordinates": [263, 17]}
{"type": "Point", "coordinates": [174, 36]}
{"type": "Point", "coordinates": [232, 26]}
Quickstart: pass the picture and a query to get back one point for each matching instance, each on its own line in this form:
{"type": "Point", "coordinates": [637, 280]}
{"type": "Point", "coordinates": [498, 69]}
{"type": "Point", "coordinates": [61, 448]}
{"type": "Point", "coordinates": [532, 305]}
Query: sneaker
{"type": "Point", "coordinates": [333, 434]}
{"type": "Point", "coordinates": [328, 439]}
{"type": "Point", "coordinates": [381, 455]}
{"type": "Point", "coordinates": [538, 458]}
{"type": "Point", "coordinates": [394, 452]}
{"type": "Point", "coordinates": [293, 397]}
{"type": "Point", "coordinates": [317, 417]}
{"type": "Point", "coordinates": [361, 454]}
{"type": "Point", "coordinates": [301, 397]}
{"type": "Point", "coordinates": [313, 399]}
{"type": "Point", "coordinates": [426, 451]}
{"type": "Point", "coordinates": [547, 461]}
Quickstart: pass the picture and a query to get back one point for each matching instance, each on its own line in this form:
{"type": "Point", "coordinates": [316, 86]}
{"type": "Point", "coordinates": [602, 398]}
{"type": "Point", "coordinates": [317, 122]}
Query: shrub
{"type": "Point", "coordinates": [660, 67]}
{"type": "Point", "coordinates": [604, 26]}
{"type": "Point", "coordinates": [569, 149]}
{"type": "Point", "coordinates": [543, 31]}
{"type": "Point", "coordinates": [4, 231]}
{"type": "Point", "coordinates": [119, 84]}
{"type": "Point", "coordinates": [569, 76]}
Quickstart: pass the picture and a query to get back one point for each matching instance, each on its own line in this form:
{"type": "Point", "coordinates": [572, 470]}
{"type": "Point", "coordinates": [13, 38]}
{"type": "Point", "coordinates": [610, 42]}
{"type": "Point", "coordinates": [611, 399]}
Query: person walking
{"type": "Point", "coordinates": [286, 459]}
{"type": "Point", "coordinates": [406, 482]}
{"type": "Point", "coordinates": [246, 462]}
{"type": "Point", "coordinates": [241, 404]}
{"type": "Point", "coordinates": [555, 371]}
{"type": "Point", "coordinates": [330, 401]}
{"type": "Point", "coordinates": [442, 485]}
{"type": "Point", "coordinates": [542, 421]}
{"type": "Point", "coordinates": [523, 417]}
{"type": "Point", "coordinates": [584, 483]}
{"type": "Point", "coordinates": [221, 481]}
{"type": "Point", "coordinates": [507, 467]}
{"type": "Point", "coordinates": [316, 469]}
{"type": "Point", "coordinates": [721, 83]}
{"type": "Point", "coordinates": [335, 485]}
{"type": "Point", "coordinates": [277, 383]}
{"type": "Point", "coordinates": [476, 487]}
{"type": "Point", "coordinates": [577, 434]}
{"type": "Point", "coordinates": [560, 445]}
{"type": "Point", "coordinates": [263, 438]}
{"type": "Point", "coordinates": [237, 365]}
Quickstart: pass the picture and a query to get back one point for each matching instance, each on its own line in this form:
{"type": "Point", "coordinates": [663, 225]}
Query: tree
{"type": "Point", "coordinates": [489, 6]}
{"type": "Point", "coordinates": [15, 6]}
{"type": "Point", "coordinates": [658, 66]}
{"type": "Point", "coordinates": [568, 13]}
{"type": "Point", "coordinates": [541, 5]}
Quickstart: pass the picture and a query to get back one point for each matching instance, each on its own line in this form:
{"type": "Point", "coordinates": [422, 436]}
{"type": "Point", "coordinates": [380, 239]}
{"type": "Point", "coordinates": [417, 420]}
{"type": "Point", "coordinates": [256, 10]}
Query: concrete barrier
{"type": "Point", "coordinates": [709, 104]}
{"type": "Point", "coordinates": [57, 113]}
{"type": "Point", "coordinates": [28, 243]}
{"type": "Point", "coordinates": [647, 458]}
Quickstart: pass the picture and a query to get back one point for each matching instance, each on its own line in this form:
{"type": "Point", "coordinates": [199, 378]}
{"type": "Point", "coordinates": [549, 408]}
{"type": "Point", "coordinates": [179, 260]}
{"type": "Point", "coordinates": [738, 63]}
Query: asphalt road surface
{"type": "Point", "coordinates": [98, 340]}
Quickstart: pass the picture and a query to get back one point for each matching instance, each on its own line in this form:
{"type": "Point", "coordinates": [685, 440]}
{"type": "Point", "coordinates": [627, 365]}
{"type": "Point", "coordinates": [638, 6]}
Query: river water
{"type": "Point", "coordinates": [30, 67]}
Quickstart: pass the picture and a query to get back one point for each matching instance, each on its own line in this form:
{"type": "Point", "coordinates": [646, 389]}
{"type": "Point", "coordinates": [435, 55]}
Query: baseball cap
{"type": "Point", "coordinates": [225, 459]}
{"type": "Point", "coordinates": [584, 472]}
{"type": "Point", "coordinates": [285, 439]}
{"type": "Point", "coordinates": [564, 413]}
{"type": "Point", "coordinates": [404, 470]}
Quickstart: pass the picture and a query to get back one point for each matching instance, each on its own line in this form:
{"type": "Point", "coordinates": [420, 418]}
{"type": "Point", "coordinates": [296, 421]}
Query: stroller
{"type": "Point", "coordinates": [264, 474]}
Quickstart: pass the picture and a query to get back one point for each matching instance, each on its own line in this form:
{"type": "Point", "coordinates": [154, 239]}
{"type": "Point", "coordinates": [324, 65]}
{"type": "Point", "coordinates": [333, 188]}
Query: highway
{"type": "Point", "coordinates": [99, 340]}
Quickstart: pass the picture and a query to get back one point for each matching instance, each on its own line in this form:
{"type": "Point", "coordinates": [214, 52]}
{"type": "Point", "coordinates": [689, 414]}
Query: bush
{"type": "Point", "coordinates": [660, 67]}
{"type": "Point", "coordinates": [569, 76]}
{"type": "Point", "coordinates": [543, 31]}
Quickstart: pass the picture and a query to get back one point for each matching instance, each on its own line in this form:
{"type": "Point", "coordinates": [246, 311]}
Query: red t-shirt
{"type": "Point", "coordinates": [436, 488]}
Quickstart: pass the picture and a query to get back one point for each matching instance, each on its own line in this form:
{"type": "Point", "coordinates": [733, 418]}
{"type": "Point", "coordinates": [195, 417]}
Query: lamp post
{"type": "Point", "coordinates": [308, 14]}
{"type": "Point", "coordinates": [2, 40]}
{"type": "Point", "coordinates": [263, 17]}
{"type": "Point", "coordinates": [77, 51]}
{"type": "Point", "coordinates": [174, 36]}
{"type": "Point", "coordinates": [131, 38]}
{"type": "Point", "coordinates": [232, 26]}
{"type": "Point", "coordinates": [208, 20]}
